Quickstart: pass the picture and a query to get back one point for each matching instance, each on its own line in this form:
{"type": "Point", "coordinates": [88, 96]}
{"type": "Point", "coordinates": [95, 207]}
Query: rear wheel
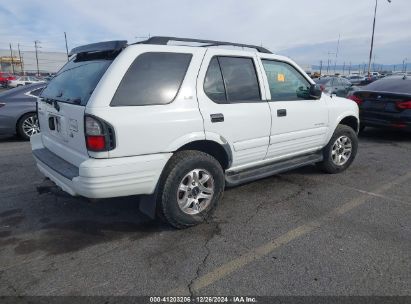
{"type": "Point", "coordinates": [191, 187]}
{"type": "Point", "coordinates": [340, 150]}
{"type": "Point", "coordinates": [28, 125]}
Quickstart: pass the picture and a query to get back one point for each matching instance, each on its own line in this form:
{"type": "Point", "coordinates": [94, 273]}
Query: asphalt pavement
{"type": "Point", "coordinates": [297, 233]}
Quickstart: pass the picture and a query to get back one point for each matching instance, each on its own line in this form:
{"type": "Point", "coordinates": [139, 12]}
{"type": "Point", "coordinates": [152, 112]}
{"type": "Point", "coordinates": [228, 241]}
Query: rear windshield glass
{"type": "Point", "coordinates": [393, 84]}
{"type": "Point", "coordinates": [75, 82]}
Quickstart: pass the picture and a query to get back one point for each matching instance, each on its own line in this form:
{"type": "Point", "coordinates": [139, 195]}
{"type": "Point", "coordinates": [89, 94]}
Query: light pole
{"type": "Point", "coordinates": [372, 37]}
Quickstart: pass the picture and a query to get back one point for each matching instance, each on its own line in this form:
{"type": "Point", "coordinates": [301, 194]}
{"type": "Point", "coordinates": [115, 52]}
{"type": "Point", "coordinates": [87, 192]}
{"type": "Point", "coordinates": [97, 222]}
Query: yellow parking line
{"type": "Point", "coordinates": [265, 249]}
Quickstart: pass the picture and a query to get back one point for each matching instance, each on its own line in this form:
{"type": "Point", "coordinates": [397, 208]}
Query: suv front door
{"type": "Point", "coordinates": [299, 123]}
{"type": "Point", "coordinates": [231, 103]}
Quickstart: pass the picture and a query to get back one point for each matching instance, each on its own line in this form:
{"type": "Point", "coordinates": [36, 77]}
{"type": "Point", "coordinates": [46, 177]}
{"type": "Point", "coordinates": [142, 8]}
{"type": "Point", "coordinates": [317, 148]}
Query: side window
{"type": "Point", "coordinates": [153, 78]}
{"type": "Point", "coordinates": [240, 79]}
{"type": "Point", "coordinates": [214, 83]}
{"type": "Point", "coordinates": [231, 79]}
{"type": "Point", "coordinates": [285, 82]}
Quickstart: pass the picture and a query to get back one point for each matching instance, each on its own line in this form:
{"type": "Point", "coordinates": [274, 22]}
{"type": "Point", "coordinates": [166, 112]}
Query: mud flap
{"type": "Point", "coordinates": [148, 204]}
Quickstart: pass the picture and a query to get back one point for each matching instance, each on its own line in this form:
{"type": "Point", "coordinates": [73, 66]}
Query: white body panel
{"type": "Point", "coordinates": [149, 129]}
{"type": "Point", "coordinates": [147, 136]}
{"type": "Point", "coordinates": [246, 125]}
{"type": "Point", "coordinates": [305, 125]}
{"type": "Point", "coordinates": [100, 178]}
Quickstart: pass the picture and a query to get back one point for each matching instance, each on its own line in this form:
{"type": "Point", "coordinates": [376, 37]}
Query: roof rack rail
{"type": "Point", "coordinates": [163, 40]}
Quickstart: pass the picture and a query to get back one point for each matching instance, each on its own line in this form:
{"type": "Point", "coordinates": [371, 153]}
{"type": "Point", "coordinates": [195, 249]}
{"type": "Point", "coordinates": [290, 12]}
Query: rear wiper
{"type": "Point", "coordinates": [52, 102]}
{"type": "Point", "coordinates": [47, 100]}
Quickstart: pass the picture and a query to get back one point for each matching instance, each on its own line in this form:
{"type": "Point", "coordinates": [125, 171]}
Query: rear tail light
{"type": "Point", "coordinates": [357, 99]}
{"type": "Point", "coordinates": [322, 88]}
{"type": "Point", "coordinates": [404, 105]}
{"type": "Point", "coordinates": [99, 134]}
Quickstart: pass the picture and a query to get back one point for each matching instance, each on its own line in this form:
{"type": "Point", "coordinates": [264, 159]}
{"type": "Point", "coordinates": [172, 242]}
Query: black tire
{"type": "Point", "coordinates": [176, 169]}
{"type": "Point", "coordinates": [328, 165]}
{"type": "Point", "coordinates": [20, 122]}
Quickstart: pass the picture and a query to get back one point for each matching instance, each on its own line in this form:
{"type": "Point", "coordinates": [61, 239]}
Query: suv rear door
{"type": "Point", "coordinates": [62, 105]}
{"type": "Point", "coordinates": [230, 99]}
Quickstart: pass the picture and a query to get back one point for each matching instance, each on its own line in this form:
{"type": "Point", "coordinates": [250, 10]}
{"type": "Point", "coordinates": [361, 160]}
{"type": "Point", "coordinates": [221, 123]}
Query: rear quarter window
{"type": "Point", "coordinates": [154, 78]}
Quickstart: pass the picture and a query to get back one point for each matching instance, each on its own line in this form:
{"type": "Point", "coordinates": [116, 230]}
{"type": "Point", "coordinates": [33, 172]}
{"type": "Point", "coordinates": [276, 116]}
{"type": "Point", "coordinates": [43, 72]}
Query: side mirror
{"type": "Point", "coordinates": [315, 91]}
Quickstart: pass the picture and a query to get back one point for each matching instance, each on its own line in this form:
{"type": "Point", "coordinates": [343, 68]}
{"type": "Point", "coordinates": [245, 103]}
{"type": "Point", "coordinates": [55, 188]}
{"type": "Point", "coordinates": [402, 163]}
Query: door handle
{"type": "Point", "coordinates": [218, 117]}
{"type": "Point", "coordinates": [281, 112]}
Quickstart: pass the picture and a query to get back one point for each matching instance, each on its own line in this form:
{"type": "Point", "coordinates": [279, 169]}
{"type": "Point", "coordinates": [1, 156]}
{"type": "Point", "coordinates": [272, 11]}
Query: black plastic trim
{"type": "Point", "coordinates": [114, 45]}
{"type": "Point", "coordinates": [164, 40]}
{"type": "Point", "coordinates": [235, 178]}
{"type": "Point", "coordinates": [56, 163]}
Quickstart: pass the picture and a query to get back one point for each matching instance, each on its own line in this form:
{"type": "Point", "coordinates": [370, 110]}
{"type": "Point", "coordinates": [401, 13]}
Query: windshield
{"type": "Point", "coordinates": [75, 82]}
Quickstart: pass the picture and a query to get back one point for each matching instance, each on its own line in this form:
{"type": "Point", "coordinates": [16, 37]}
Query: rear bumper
{"type": "Point", "coordinates": [101, 178]}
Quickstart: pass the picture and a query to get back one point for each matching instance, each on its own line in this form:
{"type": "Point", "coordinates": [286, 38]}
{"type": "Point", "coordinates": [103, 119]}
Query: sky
{"type": "Point", "coordinates": [306, 31]}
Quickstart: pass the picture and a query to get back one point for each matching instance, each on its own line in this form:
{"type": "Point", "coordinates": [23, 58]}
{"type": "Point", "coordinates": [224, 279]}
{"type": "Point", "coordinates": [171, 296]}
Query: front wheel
{"type": "Point", "coordinates": [191, 186]}
{"type": "Point", "coordinates": [340, 150]}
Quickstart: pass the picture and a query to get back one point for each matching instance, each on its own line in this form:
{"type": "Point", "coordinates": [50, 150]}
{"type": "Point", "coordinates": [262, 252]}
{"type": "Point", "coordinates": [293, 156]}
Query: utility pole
{"type": "Point", "coordinates": [343, 68]}
{"type": "Point", "coordinates": [36, 42]}
{"type": "Point", "coordinates": [349, 69]}
{"type": "Point", "coordinates": [65, 38]}
{"type": "Point", "coordinates": [372, 36]}
{"type": "Point", "coordinates": [336, 53]}
{"type": "Point", "coordinates": [321, 66]}
{"type": "Point", "coordinates": [11, 57]}
{"type": "Point", "coordinates": [328, 65]}
{"type": "Point", "coordinates": [21, 59]}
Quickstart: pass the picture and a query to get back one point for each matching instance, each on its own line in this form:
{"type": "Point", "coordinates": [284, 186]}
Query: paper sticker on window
{"type": "Point", "coordinates": [280, 77]}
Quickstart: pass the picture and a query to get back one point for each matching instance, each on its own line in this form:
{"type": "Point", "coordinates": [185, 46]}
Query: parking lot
{"type": "Point", "coordinates": [298, 233]}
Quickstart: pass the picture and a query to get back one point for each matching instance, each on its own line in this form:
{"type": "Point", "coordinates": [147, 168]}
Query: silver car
{"type": "Point", "coordinates": [18, 110]}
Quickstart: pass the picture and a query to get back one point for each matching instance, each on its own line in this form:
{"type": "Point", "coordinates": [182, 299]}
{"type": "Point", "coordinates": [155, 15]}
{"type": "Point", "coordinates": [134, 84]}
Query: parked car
{"type": "Point", "coordinates": [385, 103]}
{"type": "Point", "coordinates": [18, 111]}
{"type": "Point", "coordinates": [5, 78]}
{"type": "Point", "coordinates": [23, 80]}
{"type": "Point", "coordinates": [180, 123]}
{"type": "Point", "coordinates": [356, 79]}
{"type": "Point", "coordinates": [335, 85]}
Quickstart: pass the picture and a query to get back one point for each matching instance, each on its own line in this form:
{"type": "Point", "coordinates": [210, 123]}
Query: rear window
{"type": "Point", "coordinates": [154, 78]}
{"type": "Point", "coordinates": [76, 81]}
{"type": "Point", "coordinates": [393, 84]}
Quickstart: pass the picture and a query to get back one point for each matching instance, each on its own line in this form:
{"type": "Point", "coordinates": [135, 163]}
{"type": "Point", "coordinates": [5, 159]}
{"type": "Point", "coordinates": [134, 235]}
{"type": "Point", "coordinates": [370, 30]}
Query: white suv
{"type": "Point", "coordinates": [179, 123]}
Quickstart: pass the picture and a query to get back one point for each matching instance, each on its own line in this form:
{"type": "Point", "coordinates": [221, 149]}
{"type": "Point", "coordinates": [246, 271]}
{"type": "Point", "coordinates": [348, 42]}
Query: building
{"type": "Point", "coordinates": [48, 62]}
